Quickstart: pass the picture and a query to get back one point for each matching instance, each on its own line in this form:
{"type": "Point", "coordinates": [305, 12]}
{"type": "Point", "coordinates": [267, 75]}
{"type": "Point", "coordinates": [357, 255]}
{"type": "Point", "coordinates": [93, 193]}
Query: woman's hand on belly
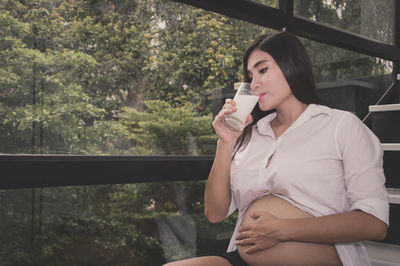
{"type": "Point", "coordinates": [265, 223]}
{"type": "Point", "coordinates": [262, 233]}
{"type": "Point", "coordinates": [262, 238]}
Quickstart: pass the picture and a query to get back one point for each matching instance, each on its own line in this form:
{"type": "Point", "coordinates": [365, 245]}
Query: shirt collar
{"type": "Point", "coordinates": [264, 127]}
{"type": "Point", "coordinates": [316, 109]}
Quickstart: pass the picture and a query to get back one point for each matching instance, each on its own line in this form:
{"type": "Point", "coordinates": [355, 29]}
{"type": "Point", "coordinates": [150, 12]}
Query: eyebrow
{"type": "Point", "coordinates": [258, 63]}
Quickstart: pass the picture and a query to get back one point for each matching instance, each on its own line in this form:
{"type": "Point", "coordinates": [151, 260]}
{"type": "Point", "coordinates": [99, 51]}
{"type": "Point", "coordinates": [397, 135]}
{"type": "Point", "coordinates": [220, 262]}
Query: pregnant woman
{"type": "Point", "coordinates": [307, 180]}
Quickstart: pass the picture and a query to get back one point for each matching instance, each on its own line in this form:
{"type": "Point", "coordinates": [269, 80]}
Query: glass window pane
{"type": "Point", "coordinates": [369, 18]}
{"type": "Point", "coordinates": [348, 80]}
{"type": "Point", "coordinates": [134, 224]}
{"type": "Point", "coordinates": [131, 79]}
{"type": "Point", "coordinates": [121, 79]}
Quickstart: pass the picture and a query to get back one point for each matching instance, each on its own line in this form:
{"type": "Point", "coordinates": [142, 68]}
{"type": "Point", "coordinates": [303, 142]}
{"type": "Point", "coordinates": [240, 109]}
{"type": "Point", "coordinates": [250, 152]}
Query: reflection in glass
{"type": "Point", "coordinates": [133, 224]}
{"type": "Point", "coordinates": [369, 18]}
{"type": "Point", "coordinates": [348, 80]}
{"type": "Point", "coordinates": [114, 78]}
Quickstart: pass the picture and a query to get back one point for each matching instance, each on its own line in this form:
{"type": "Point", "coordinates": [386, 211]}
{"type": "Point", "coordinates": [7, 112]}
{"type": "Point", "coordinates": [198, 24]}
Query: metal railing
{"type": "Point", "coordinates": [384, 99]}
{"type": "Point", "coordinates": [33, 171]}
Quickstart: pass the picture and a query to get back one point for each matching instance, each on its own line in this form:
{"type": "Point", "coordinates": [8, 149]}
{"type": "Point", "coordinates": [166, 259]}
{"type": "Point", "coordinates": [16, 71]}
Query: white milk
{"type": "Point", "coordinates": [244, 106]}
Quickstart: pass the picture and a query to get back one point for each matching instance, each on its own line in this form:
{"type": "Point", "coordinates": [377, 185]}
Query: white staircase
{"type": "Point", "coordinates": [386, 125]}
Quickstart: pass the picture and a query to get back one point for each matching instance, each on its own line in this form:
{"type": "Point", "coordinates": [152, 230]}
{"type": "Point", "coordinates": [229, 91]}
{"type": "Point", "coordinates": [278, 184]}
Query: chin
{"type": "Point", "coordinates": [266, 107]}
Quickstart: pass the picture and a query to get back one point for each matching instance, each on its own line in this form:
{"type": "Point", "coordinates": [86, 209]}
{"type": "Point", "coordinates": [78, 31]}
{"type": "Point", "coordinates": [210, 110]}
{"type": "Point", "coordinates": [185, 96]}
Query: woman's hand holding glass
{"type": "Point", "coordinates": [225, 134]}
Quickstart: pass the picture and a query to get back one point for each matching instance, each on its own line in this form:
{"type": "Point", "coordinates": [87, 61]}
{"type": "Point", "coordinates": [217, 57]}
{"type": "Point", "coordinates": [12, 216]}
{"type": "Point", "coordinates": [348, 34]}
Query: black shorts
{"type": "Point", "coordinates": [234, 258]}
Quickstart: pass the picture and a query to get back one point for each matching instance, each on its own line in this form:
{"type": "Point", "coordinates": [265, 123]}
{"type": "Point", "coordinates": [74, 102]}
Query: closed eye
{"type": "Point", "coordinates": [263, 70]}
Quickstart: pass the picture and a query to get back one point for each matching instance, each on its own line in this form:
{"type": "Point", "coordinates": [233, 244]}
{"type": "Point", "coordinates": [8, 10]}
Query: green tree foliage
{"type": "Point", "coordinates": [115, 33]}
{"type": "Point", "coordinates": [76, 64]}
{"type": "Point", "coordinates": [65, 78]}
{"type": "Point", "coordinates": [171, 130]}
{"type": "Point", "coordinates": [195, 51]}
{"type": "Point", "coordinates": [362, 17]}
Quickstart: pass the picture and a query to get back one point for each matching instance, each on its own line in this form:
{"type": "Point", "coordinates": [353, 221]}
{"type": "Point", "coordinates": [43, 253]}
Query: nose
{"type": "Point", "coordinates": [254, 85]}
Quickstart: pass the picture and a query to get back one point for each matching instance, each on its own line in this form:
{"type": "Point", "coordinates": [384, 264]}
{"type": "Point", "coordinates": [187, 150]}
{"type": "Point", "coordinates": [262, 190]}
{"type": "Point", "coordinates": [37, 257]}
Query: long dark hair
{"type": "Point", "coordinates": [295, 64]}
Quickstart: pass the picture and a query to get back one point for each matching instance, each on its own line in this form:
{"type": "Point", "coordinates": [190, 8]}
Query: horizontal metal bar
{"type": "Point", "coordinates": [391, 146]}
{"type": "Point", "coordinates": [274, 18]}
{"type": "Point", "coordinates": [394, 195]}
{"type": "Point", "coordinates": [252, 12]}
{"type": "Point", "coordinates": [385, 108]}
{"type": "Point", "coordinates": [29, 171]}
{"type": "Point", "coordinates": [343, 39]}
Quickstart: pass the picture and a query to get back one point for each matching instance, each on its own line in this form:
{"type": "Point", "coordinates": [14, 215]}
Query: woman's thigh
{"type": "Point", "coordinates": [287, 253]}
{"type": "Point", "coordinates": [201, 261]}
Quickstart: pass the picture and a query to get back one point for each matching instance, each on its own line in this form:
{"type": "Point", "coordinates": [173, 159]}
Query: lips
{"type": "Point", "coordinates": [261, 95]}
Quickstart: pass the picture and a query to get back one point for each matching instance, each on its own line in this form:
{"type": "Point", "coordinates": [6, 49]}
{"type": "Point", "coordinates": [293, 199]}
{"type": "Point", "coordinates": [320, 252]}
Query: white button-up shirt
{"type": "Point", "coordinates": [326, 162]}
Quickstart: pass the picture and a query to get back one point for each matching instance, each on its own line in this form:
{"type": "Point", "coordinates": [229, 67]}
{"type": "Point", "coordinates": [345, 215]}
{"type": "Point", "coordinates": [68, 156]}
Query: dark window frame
{"type": "Point", "coordinates": [31, 171]}
{"type": "Point", "coordinates": [282, 17]}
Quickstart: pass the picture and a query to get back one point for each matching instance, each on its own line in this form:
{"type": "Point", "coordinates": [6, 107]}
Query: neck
{"type": "Point", "coordinates": [289, 111]}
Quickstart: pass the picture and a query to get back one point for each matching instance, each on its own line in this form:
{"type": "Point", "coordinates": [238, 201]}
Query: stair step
{"type": "Point", "coordinates": [391, 146]}
{"type": "Point", "coordinates": [394, 195]}
{"type": "Point", "coordinates": [384, 108]}
{"type": "Point", "coordinates": [383, 254]}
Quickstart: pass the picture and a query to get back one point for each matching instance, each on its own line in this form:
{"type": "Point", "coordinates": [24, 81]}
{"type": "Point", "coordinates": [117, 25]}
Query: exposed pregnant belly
{"type": "Point", "coordinates": [287, 253]}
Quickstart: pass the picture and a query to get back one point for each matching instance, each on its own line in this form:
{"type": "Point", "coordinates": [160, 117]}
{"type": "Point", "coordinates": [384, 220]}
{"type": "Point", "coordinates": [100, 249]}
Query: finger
{"type": "Point", "coordinates": [251, 249]}
{"type": "Point", "coordinates": [245, 242]}
{"type": "Point", "coordinates": [242, 243]}
{"type": "Point", "coordinates": [243, 235]}
{"type": "Point", "coordinates": [244, 229]}
{"type": "Point", "coordinates": [223, 113]}
{"type": "Point", "coordinates": [228, 106]}
{"type": "Point", "coordinates": [230, 101]}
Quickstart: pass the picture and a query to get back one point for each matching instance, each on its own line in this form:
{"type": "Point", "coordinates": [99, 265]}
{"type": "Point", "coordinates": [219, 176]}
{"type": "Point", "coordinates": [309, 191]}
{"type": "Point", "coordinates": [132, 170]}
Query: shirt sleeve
{"type": "Point", "coordinates": [362, 156]}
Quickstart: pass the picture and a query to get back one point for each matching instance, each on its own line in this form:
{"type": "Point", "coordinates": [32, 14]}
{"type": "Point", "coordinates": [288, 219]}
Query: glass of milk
{"type": "Point", "coordinates": [245, 101]}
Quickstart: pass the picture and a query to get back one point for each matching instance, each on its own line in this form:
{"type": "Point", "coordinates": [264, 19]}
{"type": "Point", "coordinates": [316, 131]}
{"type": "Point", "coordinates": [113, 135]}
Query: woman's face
{"type": "Point", "coordinates": [268, 81]}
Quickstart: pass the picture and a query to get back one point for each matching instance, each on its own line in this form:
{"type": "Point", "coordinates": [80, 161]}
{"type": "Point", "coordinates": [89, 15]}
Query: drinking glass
{"type": "Point", "coordinates": [245, 100]}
